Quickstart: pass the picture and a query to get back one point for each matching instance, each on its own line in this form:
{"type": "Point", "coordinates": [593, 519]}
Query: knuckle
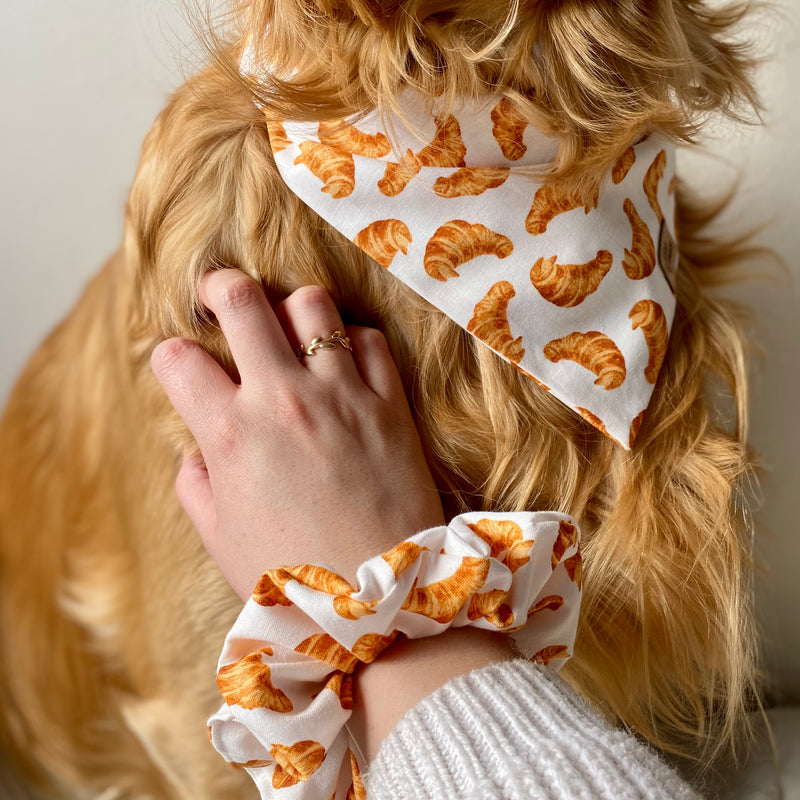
{"type": "Point", "coordinates": [290, 410]}
{"type": "Point", "coordinates": [312, 298]}
{"type": "Point", "coordinates": [171, 354]}
{"type": "Point", "coordinates": [238, 294]}
{"type": "Point", "coordinates": [372, 338]}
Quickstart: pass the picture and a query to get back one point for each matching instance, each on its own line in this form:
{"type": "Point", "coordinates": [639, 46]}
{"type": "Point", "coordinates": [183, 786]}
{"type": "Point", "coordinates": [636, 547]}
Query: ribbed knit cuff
{"type": "Point", "coordinates": [514, 731]}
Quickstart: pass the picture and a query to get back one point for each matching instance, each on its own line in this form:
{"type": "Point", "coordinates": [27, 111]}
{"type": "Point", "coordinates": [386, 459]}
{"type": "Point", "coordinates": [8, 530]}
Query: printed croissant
{"type": "Point", "coordinates": [371, 645]}
{"type": "Point", "coordinates": [490, 322]}
{"type": "Point", "coordinates": [447, 149]}
{"type": "Point", "coordinates": [492, 607]}
{"type": "Point", "coordinates": [341, 684]}
{"type": "Point", "coordinates": [649, 316]}
{"type": "Point", "coordinates": [635, 425]}
{"type": "Point", "coordinates": [508, 128]}
{"type": "Point", "coordinates": [592, 419]}
{"type": "Point", "coordinates": [278, 140]}
{"type": "Point", "coordinates": [548, 654]}
{"type": "Point", "coordinates": [568, 285]}
{"type": "Point", "coordinates": [640, 261]}
{"type": "Point", "coordinates": [574, 567]}
{"type": "Point", "coordinates": [552, 200]}
{"type": "Point", "coordinates": [470, 181]}
{"type": "Point", "coordinates": [402, 556]}
{"type": "Point", "coordinates": [357, 791]}
{"type": "Point", "coordinates": [623, 166]}
{"type": "Point", "coordinates": [499, 534]}
{"type": "Point", "coordinates": [567, 537]}
{"type": "Point", "coordinates": [592, 350]}
{"type": "Point", "coordinates": [442, 600]}
{"type": "Point", "coordinates": [333, 167]}
{"type": "Point", "coordinates": [651, 180]}
{"type": "Point", "coordinates": [247, 683]}
{"type": "Point", "coordinates": [383, 239]}
{"type": "Point", "coordinates": [550, 603]}
{"type": "Point", "coordinates": [457, 242]}
{"type": "Point", "coordinates": [340, 134]}
{"type": "Point", "coordinates": [323, 647]}
{"type": "Point", "coordinates": [295, 763]}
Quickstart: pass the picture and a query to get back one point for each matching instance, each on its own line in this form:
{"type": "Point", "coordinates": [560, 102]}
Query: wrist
{"type": "Point", "coordinates": [410, 670]}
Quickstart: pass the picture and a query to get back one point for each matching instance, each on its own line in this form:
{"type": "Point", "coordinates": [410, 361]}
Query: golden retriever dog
{"type": "Point", "coordinates": [111, 613]}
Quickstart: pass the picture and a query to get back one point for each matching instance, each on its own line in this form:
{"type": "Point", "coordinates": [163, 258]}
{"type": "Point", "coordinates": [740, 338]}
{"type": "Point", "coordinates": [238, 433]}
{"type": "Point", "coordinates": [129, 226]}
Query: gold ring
{"type": "Point", "coordinates": [325, 343]}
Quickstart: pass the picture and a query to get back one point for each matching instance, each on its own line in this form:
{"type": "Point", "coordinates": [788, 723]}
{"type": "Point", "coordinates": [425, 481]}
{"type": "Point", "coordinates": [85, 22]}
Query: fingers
{"type": "Point", "coordinates": [194, 494]}
{"type": "Point", "coordinates": [309, 313]}
{"type": "Point", "coordinates": [254, 335]}
{"type": "Point", "coordinates": [375, 364]}
{"type": "Point", "coordinates": [195, 384]}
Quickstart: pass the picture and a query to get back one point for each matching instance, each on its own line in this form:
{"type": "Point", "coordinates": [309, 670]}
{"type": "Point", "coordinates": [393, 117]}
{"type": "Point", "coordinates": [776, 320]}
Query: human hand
{"type": "Point", "coordinates": [312, 461]}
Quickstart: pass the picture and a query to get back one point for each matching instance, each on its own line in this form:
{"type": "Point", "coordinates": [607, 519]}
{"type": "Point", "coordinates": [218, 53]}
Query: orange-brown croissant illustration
{"type": "Point", "coordinates": [457, 242]}
{"type": "Point", "coordinates": [269, 590]}
{"type": "Point", "coordinates": [247, 683]}
{"type": "Point", "coordinates": [533, 378]}
{"type": "Point", "coordinates": [333, 167]}
{"type": "Point", "coordinates": [369, 646]}
{"type": "Point", "coordinates": [574, 567]}
{"type": "Point", "coordinates": [340, 134]}
{"type": "Point", "coordinates": [673, 184]}
{"type": "Point", "coordinates": [348, 608]}
{"type": "Point", "coordinates": [592, 350]}
{"type": "Point", "coordinates": [568, 285]}
{"type": "Point", "coordinates": [651, 180]}
{"type": "Point", "coordinates": [649, 316]}
{"type": "Point", "coordinates": [508, 129]}
{"type": "Point", "coordinates": [383, 239]}
{"type": "Point", "coordinates": [447, 149]}
{"type": "Point", "coordinates": [295, 763]}
{"type": "Point", "coordinates": [592, 419]}
{"type": "Point", "coordinates": [442, 600]}
{"type": "Point", "coordinates": [518, 555]}
{"type": "Point", "coordinates": [278, 140]}
{"type": "Point", "coordinates": [256, 763]}
{"type": "Point", "coordinates": [640, 260]}
{"type": "Point", "coordinates": [550, 603]}
{"type": "Point", "coordinates": [319, 578]}
{"type": "Point", "coordinates": [552, 200]}
{"type": "Point", "coordinates": [492, 607]}
{"type": "Point", "coordinates": [551, 653]}
{"type": "Point", "coordinates": [635, 425]}
{"type": "Point", "coordinates": [470, 181]}
{"type": "Point", "coordinates": [324, 647]}
{"type": "Point", "coordinates": [357, 791]}
{"type": "Point", "coordinates": [567, 537]}
{"type": "Point", "coordinates": [341, 684]}
{"type": "Point", "coordinates": [402, 556]}
{"type": "Point", "coordinates": [499, 534]}
{"type": "Point", "coordinates": [490, 322]}
{"type": "Point", "coordinates": [623, 166]}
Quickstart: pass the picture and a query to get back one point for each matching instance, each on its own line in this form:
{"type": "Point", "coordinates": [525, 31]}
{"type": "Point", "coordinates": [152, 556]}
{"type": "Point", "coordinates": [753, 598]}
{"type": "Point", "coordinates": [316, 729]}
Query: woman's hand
{"type": "Point", "coordinates": [312, 461]}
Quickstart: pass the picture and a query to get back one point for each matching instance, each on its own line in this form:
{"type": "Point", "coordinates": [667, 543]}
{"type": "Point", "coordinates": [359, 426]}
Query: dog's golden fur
{"type": "Point", "coordinates": [111, 614]}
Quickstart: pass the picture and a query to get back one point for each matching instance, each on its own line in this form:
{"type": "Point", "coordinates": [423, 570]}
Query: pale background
{"type": "Point", "coordinates": [81, 83]}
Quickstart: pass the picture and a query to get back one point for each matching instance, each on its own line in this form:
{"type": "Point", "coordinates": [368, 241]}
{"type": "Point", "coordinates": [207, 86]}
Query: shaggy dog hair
{"type": "Point", "coordinates": [111, 613]}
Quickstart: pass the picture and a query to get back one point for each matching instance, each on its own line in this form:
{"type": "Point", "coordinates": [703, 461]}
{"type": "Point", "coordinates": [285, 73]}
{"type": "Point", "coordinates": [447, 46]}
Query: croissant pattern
{"type": "Point", "coordinates": [550, 603]}
{"type": "Point", "coordinates": [491, 606]}
{"type": "Point", "coordinates": [508, 128]}
{"type": "Point", "coordinates": [623, 166]}
{"type": "Point", "coordinates": [594, 351]}
{"type": "Point", "coordinates": [369, 646]}
{"type": "Point", "coordinates": [640, 261]}
{"type": "Point", "coordinates": [340, 134]}
{"type": "Point", "coordinates": [357, 791]}
{"type": "Point", "coordinates": [499, 534]}
{"type": "Point", "coordinates": [470, 181]}
{"type": "Point", "coordinates": [295, 763]}
{"type": "Point", "coordinates": [269, 590]}
{"type": "Point", "coordinates": [635, 426]}
{"type": "Point", "coordinates": [457, 242]}
{"type": "Point", "coordinates": [548, 654]}
{"type": "Point", "coordinates": [341, 684]}
{"type": "Point", "coordinates": [567, 537]}
{"type": "Point", "coordinates": [568, 285]}
{"type": "Point", "coordinates": [402, 556]}
{"type": "Point", "coordinates": [323, 647]}
{"type": "Point", "coordinates": [442, 600]}
{"type": "Point", "coordinates": [348, 608]}
{"type": "Point", "coordinates": [278, 140]}
{"type": "Point", "coordinates": [447, 149]}
{"type": "Point", "coordinates": [574, 567]}
{"type": "Point", "coordinates": [247, 683]}
{"type": "Point", "coordinates": [651, 180]}
{"type": "Point", "coordinates": [383, 239]}
{"type": "Point", "coordinates": [334, 168]}
{"type": "Point", "coordinates": [552, 200]}
{"type": "Point", "coordinates": [649, 316]}
{"type": "Point", "coordinates": [592, 419]}
{"type": "Point", "coordinates": [490, 322]}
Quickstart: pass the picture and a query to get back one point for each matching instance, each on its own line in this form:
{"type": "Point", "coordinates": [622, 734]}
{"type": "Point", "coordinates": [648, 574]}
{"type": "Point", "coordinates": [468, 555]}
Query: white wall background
{"type": "Point", "coordinates": [81, 83]}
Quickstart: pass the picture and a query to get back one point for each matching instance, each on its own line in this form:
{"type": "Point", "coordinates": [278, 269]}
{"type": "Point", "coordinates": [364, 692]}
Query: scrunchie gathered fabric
{"type": "Point", "coordinates": [287, 667]}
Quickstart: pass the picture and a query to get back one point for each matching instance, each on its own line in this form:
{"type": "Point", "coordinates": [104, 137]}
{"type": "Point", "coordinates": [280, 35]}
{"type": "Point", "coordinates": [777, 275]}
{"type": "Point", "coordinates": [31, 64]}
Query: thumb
{"type": "Point", "coordinates": [195, 496]}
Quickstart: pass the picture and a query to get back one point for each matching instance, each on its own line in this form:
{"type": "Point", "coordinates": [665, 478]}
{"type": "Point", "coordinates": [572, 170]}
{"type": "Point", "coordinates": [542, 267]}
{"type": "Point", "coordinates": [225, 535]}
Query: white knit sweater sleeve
{"type": "Point", "coordinates": [515, 731]}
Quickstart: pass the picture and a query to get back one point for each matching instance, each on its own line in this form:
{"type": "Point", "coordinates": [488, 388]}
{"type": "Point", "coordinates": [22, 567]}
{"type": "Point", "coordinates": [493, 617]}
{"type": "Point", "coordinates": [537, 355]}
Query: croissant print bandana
{"type": "Point", "coordinates": [288, 665]}
{"type": "Point", "coordinates": [577, 296]}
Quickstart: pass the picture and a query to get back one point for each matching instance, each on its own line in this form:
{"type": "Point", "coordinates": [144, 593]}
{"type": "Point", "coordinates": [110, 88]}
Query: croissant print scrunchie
{"type": "Point", "coordinates": [288, 664]}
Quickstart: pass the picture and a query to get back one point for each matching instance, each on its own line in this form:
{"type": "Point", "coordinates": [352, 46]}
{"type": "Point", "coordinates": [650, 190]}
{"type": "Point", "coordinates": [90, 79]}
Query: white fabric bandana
{"type": "Point", "coordinates": [288, 665]}
{"type": "Point", "coordinates": [577, 296]}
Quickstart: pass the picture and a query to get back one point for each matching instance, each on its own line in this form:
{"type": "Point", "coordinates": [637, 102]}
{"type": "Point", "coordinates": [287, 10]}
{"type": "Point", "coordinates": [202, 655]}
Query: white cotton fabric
{"type": "Point", "coordinates": [286, 667]}
{"type": "Point", "coordinates": [515, 315]}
